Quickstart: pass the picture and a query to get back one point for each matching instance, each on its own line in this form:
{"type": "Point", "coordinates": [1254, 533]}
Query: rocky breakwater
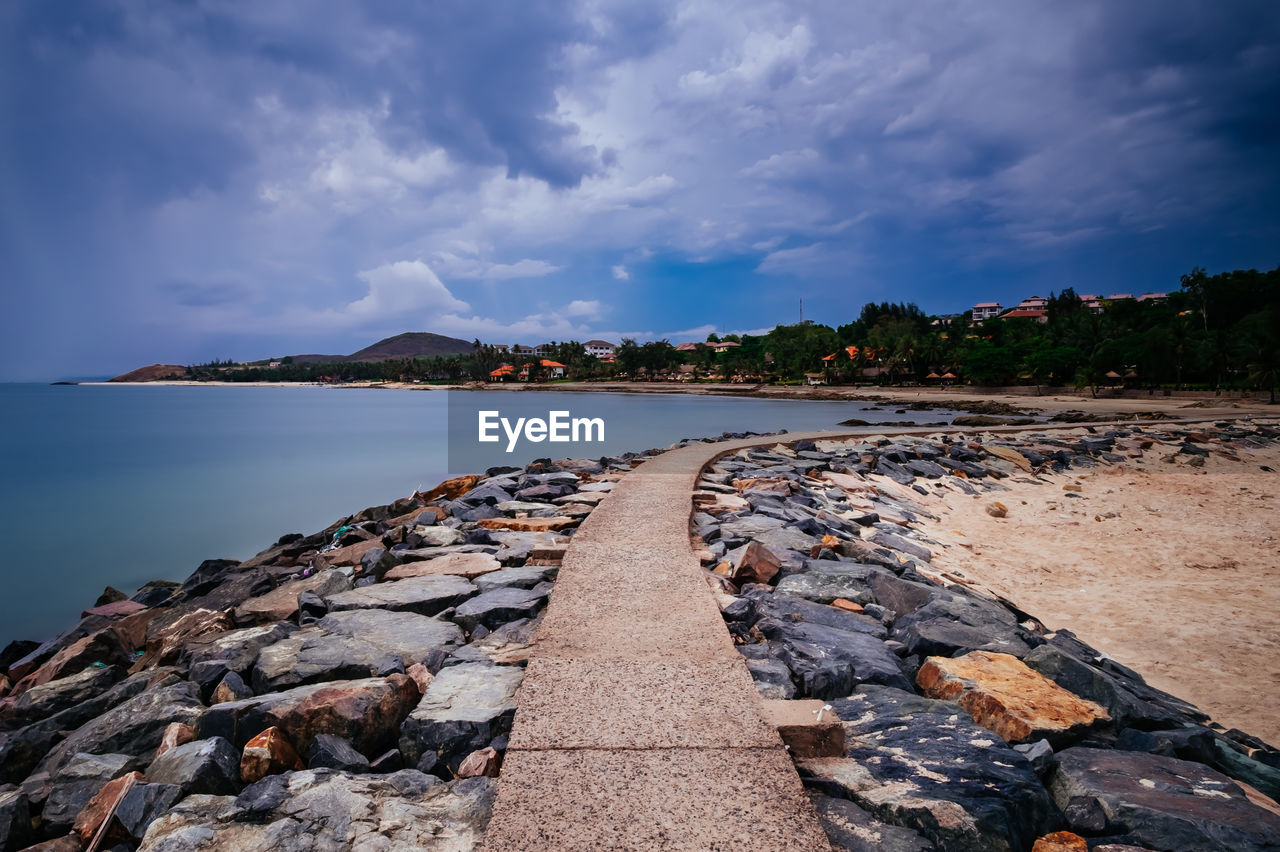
{"type": "Point", "coordinates": [353, 688]}
{"type": "Point", "coordinates": [968, 724]}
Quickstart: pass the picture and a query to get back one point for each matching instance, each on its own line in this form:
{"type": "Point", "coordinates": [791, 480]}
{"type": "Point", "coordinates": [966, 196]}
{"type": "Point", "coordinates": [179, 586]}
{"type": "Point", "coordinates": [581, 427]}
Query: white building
{"type": "Point", "coordinates": [986, 310]}
{"type": "Point", "coordinates": [600, 348]}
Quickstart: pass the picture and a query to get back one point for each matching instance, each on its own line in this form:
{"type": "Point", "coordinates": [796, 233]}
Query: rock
{"type": "Point", "coordinates": [1009, 454]}
{"type": "Point", "coordinates": [71, 789]}
{"type": "Point", "coordinates": [528, 524]}
{"type": "Point", "coordinates": [847, 606]}
{"type": "Point", "coordinates": [783, 607]}
{"type": "Point", "coordinates": [450, 489]}
{"type": "Point", "coordinates": [480, 763]}
{"type": "Point", "coordinates": [114, 609]}
{"type": "Point", "coordinates": [1003, 695]}
{"type": "Point", "coordinates": [495, 608]}
{"type": "Point", "coordinates": [155, 592]}
{"type": "Point", "coordinates": [66, 843]}
{"type": "Point", "coordinates": [827, 662]}
{"type": "Point", "coordinates": [897, 542]}
{"type": "Point", "coordinates": [851, 829]}
{"type": "Point", "coordinates": [142, 805]}
{"type": "Point", "coordinates": [238, 649]}
{"type": "Point", "coordinates": [423, 595]}
{"type": "Point", "coordinates": [351, 645]}
{"type": "Point", "coordinates": [268, 753]}
{"type": "Point", "coordinates": [101, 647]}
{"type": "Point", "coordinates": [175, 734]}
{"type": "Point", "coordinates": [996, 509]}
{"type": "Point", "coordinates": [367, 712]}
{"type": "Point", "coordinates": [755, 564]}
{"type": "Point", "coordinates": [208, 576]}
{"type": "Point", "coordinates": [165, 638]}
{"type": "Point", "coordinates": [827, 581]}
{"type": "Point", "coordinates": [465, 707]}
{"type": "Point", "coordinates": [924, 765]}
{"type": "Point", "coordinates": [522, 577]}
{"type": "Point", "coordinates": [15, 820]}
{"type": "Point", "coordinates": [327, 810]}
{"type": "Point", "coordinates": [281, 604]}
{"type": "Point", "coordinates": [420, 675]}
{"type": "Point", "coordinates": [43, 701]}
{"type": "Point", "coordinates": [101, 808]}
{"type": "Point", "coordinates": [133, 728]}
{"type": "Point", "coordinates": [1039, 753]}
{"type": "Point", "coordinates": [1060, 841]}
{"type": "Point", "coordinates": [231, 688]}
{"type": "Point", "coordinates": [203, 766]}
{"type": "Point", "coordinates": [772, 678]}
{"type": "Point", "coordinates": [465, 565]}
{"type": "Point", "coordinates": [953, 623]}
{"type": "Point", "coordinates": [1127, 697]}
{"type": "Point", "coordinates": [330, 752]}
{"type": "Point", "coordinates": [438, 536]}
{"type": "Point", "coordinates": [1163, 802]}
{"type": "Point", "coordinates": [389, 761]}
{"type": "Point", "coordinates": [16, 650]}
{"type": "Point", "coordinates": [347, 556]}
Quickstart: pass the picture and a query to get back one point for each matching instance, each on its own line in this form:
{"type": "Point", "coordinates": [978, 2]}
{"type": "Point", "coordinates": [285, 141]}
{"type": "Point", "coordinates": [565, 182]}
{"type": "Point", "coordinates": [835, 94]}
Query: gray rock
{"type": "Point", "coordinates": [15, 820]}
{"type": "Point", "coordinates": [133, 728]}
{"type": "Point", "coordinates": [1163, 802]}
{"type": "Point", "coordinates": [324, 809]}
{"type": "Point", "coordinates": [925, 765]}
{"type": "Point", "coordinates": [45, 700]}
{"type": "Point", "coordinates": [954, 624]}
{"type": "Point", "coordinates": [524, 577]}
{"type": "Point", "coordinates": [143, 804]}
{"type": "Point", "coordinates": [900, 543]}
{"type": "Point", "coordinates": [1039, 753]}
{"type": "Point", "coordinates": [851, 829]}
{"type": "Point", "coordinates": [238, 648]}
{"type": "Point", "coordinates": [828, 662]}
{"type": "Point", "coordinates": [351, 645]}
{"type": "Point", "coordinates": [784, 607]}
{"type": "Point", "coordinates": [438, 536]}
{"type": "Point", "coordinates": [330, 752]}
{"type": "Point", "coordinates": [79, 781]}
{"type": "Point", "coordinates": [788, 538]}
{"type": "Point", "coordinates": [927, 469]}
{"type": "Point", "coordinates": [209, 766]}
{"type": "Point", "coordinates": [901, 596]}
{"type": "Point", "coordinates": [827, 581]}
{"type": "Point", "coordinates": [894, 471]}
{"type": "Point", "coordinates": [499, 606]}
{"type": "Point", "coordinates": [748, 527]}
{"type": "Point", "coordinates": [464, 708]}
{"type": "Point", "coordinates": [428, 595]}
{"type": "Point", "coordinates": [772, 678]}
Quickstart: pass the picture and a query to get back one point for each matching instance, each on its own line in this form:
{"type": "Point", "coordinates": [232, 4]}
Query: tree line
{"type": "Point", "coordinates": [1214, 332]}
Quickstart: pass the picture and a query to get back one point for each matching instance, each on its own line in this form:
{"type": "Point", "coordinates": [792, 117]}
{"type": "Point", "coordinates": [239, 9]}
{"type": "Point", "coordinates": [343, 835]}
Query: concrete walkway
{"type": "Point", "coordinates": [638, 725]}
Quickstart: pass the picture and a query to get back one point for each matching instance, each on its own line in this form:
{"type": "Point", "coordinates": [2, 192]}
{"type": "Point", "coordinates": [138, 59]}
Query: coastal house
{"type": "Point", "coordinates": [1032, 303]}
{"type": "Point", "coordinates": [687, 346]}
{"type": "Point", "coordinates": [986, 310]}
{"type": "Point", "coordinates": [522, 350]}
{"type": "Point", "coordinates": [1153, 298]}
{"type": "Point", "coordinates": [504, 373]}
{"type": "Point", "coordinates": [499, 347]}
{"type": "Point", "coordinates": [723, 345]}
{"type": "Point", "coordinates": [1037, 314]}
{"type": "Point", "coordinates": [814, 379]}
{"type": "Point", "coordinates": [602, 349]}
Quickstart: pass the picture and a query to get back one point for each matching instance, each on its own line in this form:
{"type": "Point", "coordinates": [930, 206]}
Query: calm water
{"type": "Point", "coordinates": [121, 485]}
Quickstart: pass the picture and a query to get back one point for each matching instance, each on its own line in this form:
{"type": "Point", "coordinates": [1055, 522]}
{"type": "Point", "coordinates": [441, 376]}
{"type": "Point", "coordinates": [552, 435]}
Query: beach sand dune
{"type": "Point", "coordinates": [1171, 570]}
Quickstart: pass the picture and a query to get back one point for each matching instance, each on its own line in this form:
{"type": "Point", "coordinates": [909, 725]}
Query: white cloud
{"type": "Point", "coordinates": [458, 266]}
{"type": "Point", "coordinates": [791, 261]}
{"type": "Point", "coordinates": [402, 287]}
{"type": "Point", "coordinates": [620, 272]}
{"type": "Point", "coordinates": [586, 308]}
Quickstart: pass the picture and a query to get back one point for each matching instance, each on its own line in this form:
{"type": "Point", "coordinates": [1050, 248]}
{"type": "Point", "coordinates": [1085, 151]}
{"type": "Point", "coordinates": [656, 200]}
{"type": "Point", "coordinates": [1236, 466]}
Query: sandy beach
{"type": "Point", "coordinates": [1172, 570]}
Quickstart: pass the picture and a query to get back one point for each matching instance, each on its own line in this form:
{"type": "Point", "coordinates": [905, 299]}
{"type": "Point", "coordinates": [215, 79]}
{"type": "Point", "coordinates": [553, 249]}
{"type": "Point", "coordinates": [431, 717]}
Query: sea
{"type": "Point", "coordinates": [119, 485]}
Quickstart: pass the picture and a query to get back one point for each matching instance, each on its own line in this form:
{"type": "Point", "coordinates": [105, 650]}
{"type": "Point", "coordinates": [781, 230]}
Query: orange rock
{"type": "Point", "coordinates": [466, 565]}
{"type": "Point", "coordinates": [450, 488]}
{"type": "Point", "coordinates": [996, 509]}
{"type": "Point", "coordinates": [1061, 841]}
{"type": "Point", "coordinates": [1010, 454]}
{"type": "Point", "coordinates": [175, 735]}
{"type": "Point", "coordinates": [724, 569]}
{"type": "Point", "coordinates": [420, 675]}
{"type": "Point", "coordinates": [269, 753]}
{"type": "Point", "coordinates": [527, 524]}
{"type": "Point", "coordinates": [758, 564]}
{"type": "Point", "coordinates": [847, 606]}
{"type": "Point", "coordinates": [349, 555]}
{"type": "Point", "coordinates": [830, 541]}
{"type": "Point", "coordinates": [102, 807]}
{"type": "Point", "coordinates": [4, 684]}
{"type": "Point", "coordinates": [1005, 696]}
{"type": "Point", "coordinates": [482, 762]}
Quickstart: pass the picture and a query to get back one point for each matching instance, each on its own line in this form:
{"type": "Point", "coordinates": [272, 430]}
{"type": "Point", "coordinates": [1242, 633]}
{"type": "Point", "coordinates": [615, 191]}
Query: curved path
{"type": "Point", "coordinates": [638, 725]}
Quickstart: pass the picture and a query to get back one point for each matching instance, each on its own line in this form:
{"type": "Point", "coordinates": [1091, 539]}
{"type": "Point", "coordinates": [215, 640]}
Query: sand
{"type": "Point", "coordinates": [1171, 570]}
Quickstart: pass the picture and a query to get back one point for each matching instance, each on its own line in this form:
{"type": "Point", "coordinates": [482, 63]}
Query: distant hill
{"type": "Point", "coordinates": [154, 373]}
{"type": "Point", "coordinates": [411, 344]}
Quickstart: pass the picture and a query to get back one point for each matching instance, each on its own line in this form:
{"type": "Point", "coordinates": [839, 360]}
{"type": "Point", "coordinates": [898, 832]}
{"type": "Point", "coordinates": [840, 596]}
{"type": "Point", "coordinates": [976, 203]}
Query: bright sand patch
{"type": "Point", "coordinates": [1173, 571]}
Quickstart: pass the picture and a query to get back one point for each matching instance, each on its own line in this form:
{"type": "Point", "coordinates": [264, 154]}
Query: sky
{"type": "Point", "coordinates": [185, 181]}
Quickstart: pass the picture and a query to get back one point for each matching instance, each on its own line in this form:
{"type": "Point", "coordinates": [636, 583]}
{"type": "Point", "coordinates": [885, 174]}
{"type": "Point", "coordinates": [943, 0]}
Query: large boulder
{"type": "Point", "coordinates": [71, 789]}
{"type": "Point", "coordinates": [954, 624]}
{"type": "Point", "coordinates": [324, 809]}
{"type": "Point", "coordinates": [1005, 696]}
{"type": "Point", "coordinates": [43, 701]}
{"type": "Point", "coordinates": [826, 581]}
{"type": "Point", "coordinates": [134, 728]}
{"type": "Point", "coordinates": [237, 649]}
{"type": "Point", "coordinates": [1160, 802]}
{"type": "Point", "coordinates": [367, 712]}
{"type": "Point", "coordinates": [463, 709]}
{"type": "Point", "coordinates": [828, 662]}
{"type": "Point", "coordinates": [784, 607]}
{"type": "Point", "coordinates": [499, 606]}
{"type": "Point", "coordinates": [203, 766]}
{"type": "Point", "coordinates": [15, 820]}
{"type": "Point", "coordinates": [353, 644]}
{"type": "Point", "coordinates": [466, 565]}
{"type": "Point", "coordinates": [852, 829]}
{"type": "Point", "coordinates": [428, 595]}
{"type": "Point", "coordinates": [281, 603]}
{"type": "Point", "coordinates": [101, 648]}
{"type": "Point", "coordinates": [925, 765]}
